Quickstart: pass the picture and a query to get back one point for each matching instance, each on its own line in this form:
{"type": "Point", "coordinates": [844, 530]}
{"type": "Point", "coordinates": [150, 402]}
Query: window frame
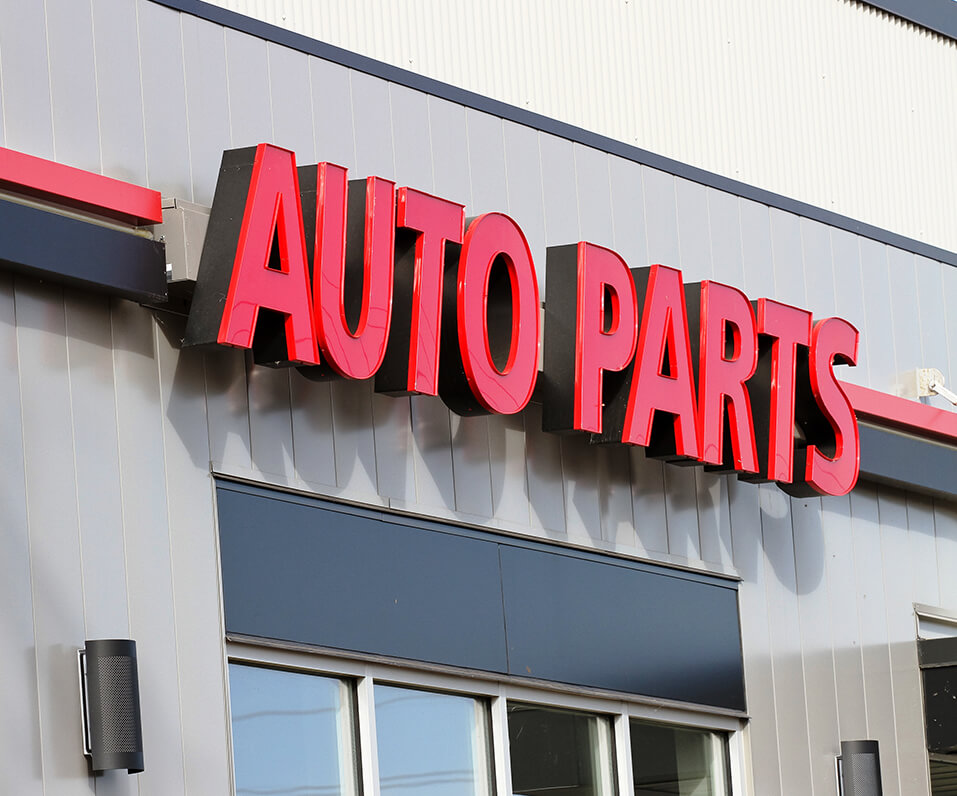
{"type": "Point", "coordinates": [367, 670]}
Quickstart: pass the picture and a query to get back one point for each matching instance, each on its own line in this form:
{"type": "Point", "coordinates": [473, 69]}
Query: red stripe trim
{"type": "Point", "coordinates": [890, 410]}
{"type": "Point", "coordinates": [77, 188]}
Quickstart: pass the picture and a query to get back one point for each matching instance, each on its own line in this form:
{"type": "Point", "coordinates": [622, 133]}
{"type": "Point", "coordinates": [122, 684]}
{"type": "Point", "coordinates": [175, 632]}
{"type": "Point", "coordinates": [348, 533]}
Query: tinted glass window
{"type": "Point", "coordinates": [676, 760]}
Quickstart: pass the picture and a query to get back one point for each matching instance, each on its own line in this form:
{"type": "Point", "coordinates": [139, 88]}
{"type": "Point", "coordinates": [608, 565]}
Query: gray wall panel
{"type": "Point", "coordinates": [434, 482]}
{"type": "Point", "coordinates": [872, 612]}
{"type": "Point", "coordinates": [228, 409]}
{"type": "Point", "coordinates": [786, 255]}
{"type": "Point", "coordinates": [506, 446]}
{"type": "Point", "coordinates": [248, 91]}
{"type": "Point", "coordinates": [582, 502]}
{"type": "Point", "coordinates": [332, 113]}
{"type": "Point", "coordinates": [119, 96]}
{"type": "Point", "coordinates": [470, 465]}
{"type": "Point", "coordinates": [945, 532]}
{"type": "Point", "coordinates": [450, 164]}
{"type": "Point", "coordinates": [626, 192]}
{"type": "Point", "coordinates": [289, 91]}
{"type": "Point", "coordinates": [906, 322]}
{"type": "Point", "coordinates": [24, 65]}
{"type": "Point", "coordinates": [922, 546]}
{"type": "Point", "coordinates": [593, 191]}
{"type": "Point", "coordinates": [877, 335]}
{"type": "Point", "coordinates": [486, 153]}
{"type": "Point", "coordinates": [814, 612]}
{"type": "Point", "coordinates": [781, 593]}
{"type": "Point", "coordinates": [372, 123]}
{"type": "Point", "coordinates": [615, 499]}
{"type": "Point", "coordinates": [355, 444]}
{"type": "Point", "coordinates": [313, 441]}
{"type": "Point", "coordinates": [545, 482]}
{"type": "Point", "coordinates": [839, 568]}
{"type": "Point", "coordinates": [96, 452]}
{"type": "Point", "coordinates": [411, 141]}
{"type": "Point", "coordinates": [164, 99]}
{"type": "Point", "coordinates": [849, 295]}
{"type": "Point", "coordinates": [694, 230]}
{"type": "Point", "coordinates": [270, 422]}
{"type": "Point", "coordinates": [52, 510]}
{"type": "Point", "coordinates": [523, 173]}
{"type": "Point", "coordinates": [756, 253]}
{"type": "Point", "coordinates": [207, 104]}
{"type": "Point", "coordinates": [76, 132]}
{"type": "Point", "coordinates": [395, 471]}
{"type": "Point", "coordinates": [21, 746]}
{"type": "Point", "coordinates": [898, 574]}
{"type": "Point", "coordinates": [818, 267]}
{"type": "Point", "coordinates": [753, 608]}
{"type": "Point", "coordinates": [194, 559]}
{"type": "Point", "coordinates": [558, 191]}
{"type": "Point", "coordinates": [147, 539]}
{"type": "Point", "coordinates": [933, 321]}
{"type": "Point", "coordinates": [724, 219]}
{"type": "Point", "coordinates": [950, 318]}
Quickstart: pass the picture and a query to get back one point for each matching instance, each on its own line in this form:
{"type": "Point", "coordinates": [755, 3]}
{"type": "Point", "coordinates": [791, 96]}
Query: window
{"type": "Point", "coordinates": [307, 724]}
{"type": "Point", "coordinates": [292, 733]}
{"type": "Point", "coordinates": [431, 744]}
{"type": "Point", "coordinates": [678, 760]}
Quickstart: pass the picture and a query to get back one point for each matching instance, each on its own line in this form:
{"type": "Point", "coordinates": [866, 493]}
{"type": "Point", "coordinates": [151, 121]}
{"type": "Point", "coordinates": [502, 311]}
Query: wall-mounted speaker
{"type": "Point", "coordinates": [110, 694]}
{"type": "Point", "coordinates": [859, 768]}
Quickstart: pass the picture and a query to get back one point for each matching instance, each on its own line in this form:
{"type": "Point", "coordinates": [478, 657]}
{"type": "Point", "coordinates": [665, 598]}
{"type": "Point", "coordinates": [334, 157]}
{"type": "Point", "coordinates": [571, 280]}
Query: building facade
{"type": "Point", "coordinates": [566, 616]}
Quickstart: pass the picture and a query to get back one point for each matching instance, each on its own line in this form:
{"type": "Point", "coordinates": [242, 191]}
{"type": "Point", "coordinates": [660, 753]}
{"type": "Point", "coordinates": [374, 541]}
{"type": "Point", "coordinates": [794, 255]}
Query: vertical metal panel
{"type": "Point", "coordinates": [905, 315]}
{"type": "Point", "coordinates": [118, 90]}
{"type": "Point", "coordinates": [945, 532]}
{"type": "Point", "coordinates": [19, 687]}
{"type": "Point", "coordinates": [781, 589]}
{"type": "Point", "coordinates": [332, 113]}
{"type": "Point", "coordinates": [523, 174]}
{"type": "Point", "coordinates": [506, 447]}
{"type": "Point", "coordinates": [818, 268]}
{"type": "Point", "coordinates": [786, 258]}
{"type": "Point", "coordinates": [877, 336]}
{"type": "Point", "coordinates": [930, 310]}
{"type": "Point", "coordinates": [546, 502]}
{"type": "Point", "coordinates": [371, 118]}
{"type": "Point", "coordinates": [292, 124]}
{"type": "Point", "coordinates": [582, 509]}
{"type": "Point", "coordinates": [194, 560]}
{"type": "Point", "coordinates": [411, 141]}
{"type": "Point", "coordinates": [96, 452]}
{"type": "Point", "coordinates": [839, 568]}
{"type": "Point", "coordinates": [248, 90]}
{"type": "Point", "coordinates": [814, 612]}
{"type": "Point", "coordinates": [146, 529]}
{"type": "Point", "coordinates": [355, 444]}
{"type": "Point", "coordinates": [753, 608]}
{"type": "Point", "coordinates": [207, 105]}
{"type": "Point", "coordinates": [900, 629]}
{"type": "Point", "coordinates": [73, 83]}
{"type": "Point", "coordinates": [164, 98]}
{"type": "Point", "coordinates": [593, 191]}
{"type": "Point", "coordinates": [872, 612]}
{"type": "Point", "coordinates": [24, 66]}
{"type": "Point", "coordinates": [849, 294]}
{"type": "Point", "coordinates": [52, 510]}
{"type": "Point", "coordinates": [558, 191]}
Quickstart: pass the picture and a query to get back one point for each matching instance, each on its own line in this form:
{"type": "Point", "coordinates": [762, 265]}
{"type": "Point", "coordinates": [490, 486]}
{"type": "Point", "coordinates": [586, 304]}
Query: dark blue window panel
{"type": "Point", "coordinates": [296, 572]}
{"type": "Point", "coordinates": [600, 624]}
{"type": "Point", "coordinates": [302, 570]}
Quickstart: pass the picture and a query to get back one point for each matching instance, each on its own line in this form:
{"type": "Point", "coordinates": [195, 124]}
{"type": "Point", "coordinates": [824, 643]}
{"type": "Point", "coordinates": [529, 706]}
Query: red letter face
{"type": "Point", "coordinates": [351, 266]}
{"type": "Point", "coordinates": [590, 328]}
{"type": "Point", "coordinates": [781, 329]}
{"type": "Point", "coordinates": [728, 356]}
{"type": "Point", "coordinates": [830, 463]}
{"type": "Point", "coordinates": [663, 379]}
{"type": "Point", "coordinates": [492, 294]}
{"type": "Point", "coordinates": [241, 265]}
{"type": "Point", "coordinates": [412, 358]}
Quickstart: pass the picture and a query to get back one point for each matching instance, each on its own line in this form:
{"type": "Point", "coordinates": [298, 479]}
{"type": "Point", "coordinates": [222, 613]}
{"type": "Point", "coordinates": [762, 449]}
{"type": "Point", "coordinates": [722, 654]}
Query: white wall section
{"type": "Point", "coordinates": [830, 102]}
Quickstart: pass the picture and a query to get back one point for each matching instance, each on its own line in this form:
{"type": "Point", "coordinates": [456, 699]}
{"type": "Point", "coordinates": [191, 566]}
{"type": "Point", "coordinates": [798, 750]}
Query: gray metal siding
{"type": "Point", "coordinates": [108, 431]}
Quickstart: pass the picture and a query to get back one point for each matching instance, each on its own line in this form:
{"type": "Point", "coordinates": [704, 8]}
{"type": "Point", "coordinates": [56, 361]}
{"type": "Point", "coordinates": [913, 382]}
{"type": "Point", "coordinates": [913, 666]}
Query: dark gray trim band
{"type": "Point", "coordinates": [545, 124]}
{"type": "Point", "coordinates": [939, 16]}
{"type": "Point", "coordinates": [62, 249]}
{"type": "Point", "coordinates": [913, 463]}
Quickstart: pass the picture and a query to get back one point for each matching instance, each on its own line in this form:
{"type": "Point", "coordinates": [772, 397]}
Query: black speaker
{"type": "Point", "coordinates": [860, 769]}
{"type": "Point", "coordinates": [112, 729]}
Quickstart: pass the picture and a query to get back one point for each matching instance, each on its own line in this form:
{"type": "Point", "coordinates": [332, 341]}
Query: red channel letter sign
{"type": "Point", "coordinates": [358, 279]}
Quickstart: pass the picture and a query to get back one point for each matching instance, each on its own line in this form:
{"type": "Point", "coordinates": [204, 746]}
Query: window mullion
{"type": "Point", "coordinates": [498, 708]}
{"type": "Point", "coordinates": [368, 750]}
{"type": "Point", "coordinates": [622, 730]}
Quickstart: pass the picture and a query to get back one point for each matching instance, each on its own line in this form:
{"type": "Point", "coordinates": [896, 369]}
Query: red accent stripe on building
{"type": "Point", "coordinates": [902, 413]}
{"type": "Point", "coordinates": [80, 189]}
